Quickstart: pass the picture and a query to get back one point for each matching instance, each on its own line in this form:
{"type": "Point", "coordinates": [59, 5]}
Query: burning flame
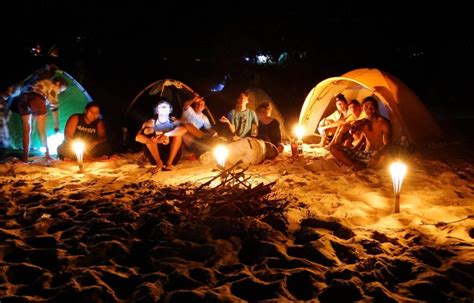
{"type": "Point", "coordinates": [220, 153]}
{"type": "Point", "coordinates": [78, 147]}
{"type": "Point", "coordinates": [299, 132]}
{"type": "Point", "coordinates": [398, 171]}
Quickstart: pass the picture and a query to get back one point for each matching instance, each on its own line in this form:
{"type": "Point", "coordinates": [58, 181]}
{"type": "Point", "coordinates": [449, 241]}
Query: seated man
{"type": "Point", "coordinates": [197, 139]}
{"type": "Point", "coordinates": [268, 127]}
{"type": "Point", "coordinates": [342, 135]}
{"type": "Point", "coordinates": [328, 126]}
{"type": "Point", "coordinates": [241, 120]}
{"type": "Point", "coordinates": [377, 132]}
{"type": "Point", "coordinates": [89, 128]}
{"type": "Point", "coordinates": [155, 135]}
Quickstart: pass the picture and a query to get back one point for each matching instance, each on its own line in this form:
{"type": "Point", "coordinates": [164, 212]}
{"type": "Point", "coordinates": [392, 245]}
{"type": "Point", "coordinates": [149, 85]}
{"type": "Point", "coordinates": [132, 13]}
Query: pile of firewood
{"type": "Point", "coordinates": [232, 194]}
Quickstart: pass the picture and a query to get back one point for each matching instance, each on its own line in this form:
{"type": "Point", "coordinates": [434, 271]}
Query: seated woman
{"type": "Point", "coordinates": [155, 134]}
{"type": "Point", "coordinates": [268, 127]}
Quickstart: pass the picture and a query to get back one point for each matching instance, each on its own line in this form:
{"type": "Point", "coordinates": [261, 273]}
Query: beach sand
{"type": "Point", "coordinates": [118, 233]}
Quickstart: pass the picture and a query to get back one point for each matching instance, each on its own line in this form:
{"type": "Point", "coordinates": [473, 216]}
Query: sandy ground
{"type": "Point", "coordinates": [118, 233]}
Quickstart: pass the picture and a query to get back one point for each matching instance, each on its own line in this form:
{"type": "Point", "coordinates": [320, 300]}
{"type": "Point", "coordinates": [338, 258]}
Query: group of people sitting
{"type": "Point", "coordinates": [163, 136]}
{"type": "Point", "coordinates": [356, 134]}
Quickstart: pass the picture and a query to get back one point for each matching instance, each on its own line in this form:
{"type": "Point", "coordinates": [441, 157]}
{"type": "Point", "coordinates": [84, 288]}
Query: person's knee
{"type": "Point", "coordinates": [101, 149]}
{"type": "Point", "coordinates": [335, 150]}
{"type": "Point", "coordinates": [65, 151]}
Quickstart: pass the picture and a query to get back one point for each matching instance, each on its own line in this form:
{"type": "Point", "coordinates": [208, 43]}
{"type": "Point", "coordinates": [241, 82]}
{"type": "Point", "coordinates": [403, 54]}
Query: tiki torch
{"type": "Point", "coordinates": [78, 147]}
{"type": "Point", "coordinates": [220, 154]}
{"type": "Point", "coordinates": [398, 171]}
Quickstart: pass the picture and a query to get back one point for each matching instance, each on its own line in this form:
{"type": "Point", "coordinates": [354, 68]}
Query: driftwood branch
{"type": "Point", "coordinates": [223, 174]}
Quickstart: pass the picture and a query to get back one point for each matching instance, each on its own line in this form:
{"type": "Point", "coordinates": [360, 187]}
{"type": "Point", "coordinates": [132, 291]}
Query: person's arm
{"type": "Point", "coordinates": [55, 119]}
{"type": "Point", "coordinates": [387, 133]}
{"type": "Point", "coordinates": [53, 104]}
{"type": "Point", "coordinates": [207, 125]}
{"type": "Point", "coordinates": [254, 118]}
{"type": "Point", "coordinates": [227, 120]}
{"type": "Point", "coordinates": [387, 139]}
{"type": "Point", "coordinates": [101, 131]}
{"type": "Point", "coordinates": [102, 137]}
{"type": "Point", "coordinates": [141, 137]}
{"type": "Point", "coordinates": [70, 128]}
{"type": "Point", "coordinates": [190, 102]}
{"type": "Point", "coordinates": [277, 131]}
{"type": "Point", "coordinates": [357, 125]}
{"type": "Point", "coordinates": [330, 121]}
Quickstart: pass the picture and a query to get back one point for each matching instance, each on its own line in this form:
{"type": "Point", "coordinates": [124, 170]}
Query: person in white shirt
{"type": "Point", "coordinates": [199, 129]}
{"type": "Point", "coordinates": [328, 126]}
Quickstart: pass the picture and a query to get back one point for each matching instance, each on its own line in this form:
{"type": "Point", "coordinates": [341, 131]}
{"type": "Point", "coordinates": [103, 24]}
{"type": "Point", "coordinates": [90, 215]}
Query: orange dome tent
{"type": "Point", "coordinates": [407, 114]}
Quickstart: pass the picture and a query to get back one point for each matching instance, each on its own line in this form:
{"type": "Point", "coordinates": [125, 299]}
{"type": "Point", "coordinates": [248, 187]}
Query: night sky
{"type": "Point", "coordinates": [116, 51]}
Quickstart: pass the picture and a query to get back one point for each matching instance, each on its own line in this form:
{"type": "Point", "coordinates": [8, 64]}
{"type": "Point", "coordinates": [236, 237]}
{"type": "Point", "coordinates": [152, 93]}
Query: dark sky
{"type": "Point", "coordinates": [168, 24]}
{"type": "Point", "coordinates": [419, 42]}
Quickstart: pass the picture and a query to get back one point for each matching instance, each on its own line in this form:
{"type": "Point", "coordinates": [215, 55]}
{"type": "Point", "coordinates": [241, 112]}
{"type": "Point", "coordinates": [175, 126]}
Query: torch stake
{"type": "Point", "coordinates": [397, 203]}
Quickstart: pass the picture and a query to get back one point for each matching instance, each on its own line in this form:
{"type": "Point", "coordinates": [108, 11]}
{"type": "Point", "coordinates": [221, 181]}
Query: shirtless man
{"type": "Point", "coordinates": [377, 132]}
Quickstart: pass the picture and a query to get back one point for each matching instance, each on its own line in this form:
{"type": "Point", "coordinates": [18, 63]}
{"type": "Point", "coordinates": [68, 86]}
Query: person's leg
{"type": "Point", "coordinates": [41, 127]}
{"type": "Point", "coordinates": [26, 123]}
{"type": "Point", "coordinates": [101, 149]}
{"type": "Point", "coordinates": [153, 149]}
{"type": "Point", "coordinates": [175, 146]}
{"type": "Point", "coordinates": [324, 137]}
{"type": "Point", "coordinates": [65, 151]}
{"type": "Point", "coordinates": [194, 131]}
{"type": "Point", "coordinates": [188, 139]}
{"type": "Point", "coordinates": [340, 136]}
{"type": "Point", "coordinates": [340, 155]}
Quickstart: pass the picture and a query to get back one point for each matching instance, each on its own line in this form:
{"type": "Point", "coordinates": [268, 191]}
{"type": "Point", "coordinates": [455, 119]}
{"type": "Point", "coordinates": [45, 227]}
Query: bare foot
{"type": "Point", "coordinates": [157, 168]}
{"type": "Point", "coordinates": [357, 167]}
{"type": "Point", "coordinates": [168, 167]}
{"type": "Point", "coordinates": [114, 157]}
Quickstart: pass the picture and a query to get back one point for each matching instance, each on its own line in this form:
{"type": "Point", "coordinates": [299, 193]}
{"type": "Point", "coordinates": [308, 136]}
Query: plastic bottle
{"type": "Point", "coordinates": [300, 147]}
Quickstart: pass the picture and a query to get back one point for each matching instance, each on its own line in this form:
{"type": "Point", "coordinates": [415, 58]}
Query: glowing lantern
{"type": "Point", "coordinates": [398, 171]}
{"type": "Point", "coordinates": [221, 153]}
{"type": "Point", "coordinates": [78, 147]}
